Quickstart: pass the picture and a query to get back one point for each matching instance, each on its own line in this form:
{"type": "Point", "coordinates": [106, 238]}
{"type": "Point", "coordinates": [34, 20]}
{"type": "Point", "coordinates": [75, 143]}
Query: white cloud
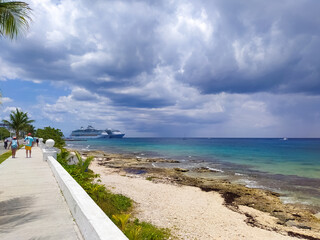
{"type": "Point", "coordinates": [6, 100]}
{"type": "Point", "coordinates": [8, 71]}
{"type": "Point", "coordinates": [10, 109]}
{"type": "Point", "coordinates": [138, 65]}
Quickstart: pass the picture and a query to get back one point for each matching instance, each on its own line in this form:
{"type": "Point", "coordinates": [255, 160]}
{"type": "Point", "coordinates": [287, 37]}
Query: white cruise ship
{"type": "Point", "coordinates": [112, 133]}
{"type": "Point", "coordinates": [91, 132]}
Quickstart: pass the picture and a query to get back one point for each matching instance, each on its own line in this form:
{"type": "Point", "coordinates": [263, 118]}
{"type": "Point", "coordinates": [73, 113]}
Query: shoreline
{"type": "Point", "coordinates": [260, 208]}
{"type": "Point", "coordinates": [294, 187]}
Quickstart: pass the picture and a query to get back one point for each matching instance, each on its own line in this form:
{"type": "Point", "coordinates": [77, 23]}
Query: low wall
{"type": "Point", "coordinates": [92, 221]}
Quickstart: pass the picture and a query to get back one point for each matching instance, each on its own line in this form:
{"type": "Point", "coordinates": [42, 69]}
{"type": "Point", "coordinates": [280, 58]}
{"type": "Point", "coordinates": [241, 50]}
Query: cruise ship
{"type": "Point", "coordinates": [91, 132]}
{"type": "Point", "coordinates": [112, 133]}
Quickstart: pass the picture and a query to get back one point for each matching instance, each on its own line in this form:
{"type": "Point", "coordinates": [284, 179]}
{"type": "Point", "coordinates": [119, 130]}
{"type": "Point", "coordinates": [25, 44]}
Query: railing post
{"type": "Point", "coordinates": [49, 150]}
{"type": "Point", "coordinates": [41, 144]}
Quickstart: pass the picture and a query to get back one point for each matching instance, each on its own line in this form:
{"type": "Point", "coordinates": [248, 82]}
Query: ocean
{"type": "Point", "coordinates": [290, 167]}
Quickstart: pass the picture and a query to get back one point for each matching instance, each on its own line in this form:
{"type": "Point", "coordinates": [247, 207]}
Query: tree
{"type": "Point", "coordinates": [14, 18]}
{"type": "Point", "coordinates": [51, 133]}
{"type": "Point", "coordinates": [4, 133]}
{"type": "Point", "coordinates": [30, 129]}
{"type": "Point", "coordinates": [18, 121]}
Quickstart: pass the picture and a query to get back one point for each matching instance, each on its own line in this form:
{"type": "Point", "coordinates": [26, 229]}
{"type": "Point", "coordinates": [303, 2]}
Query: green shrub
{"type": "Point", "coordinates": [51, 133]}
{"type": "Point", "coordinates": [149, 231]}
{"type": "Point", "coordinates": [136, 230]}
{"type": "Point", "coordinates": [84, 164]}
{"type": "Point", "coordinates": [134, 233]}
{"type": "Point", "coordinates": [121, 221]}
{"type": "Point", "coordinates": [149, 178]}
{"type": "Point", "coordinates": [111, 204]}
{"type": "Point", "coordinates": [62, 157]}
{"type": "Point", "coordinates": [4, 133]}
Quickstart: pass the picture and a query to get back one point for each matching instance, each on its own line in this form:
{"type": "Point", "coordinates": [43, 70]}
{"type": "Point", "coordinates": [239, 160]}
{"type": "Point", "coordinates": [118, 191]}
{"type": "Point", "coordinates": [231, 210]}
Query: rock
{"type": "Point", "coordinates": [181, 170]}
{"type": "Point", "coordinates": [205, 169]}
{"type": "Point", "coordinates": [161, 160]}
{"type": "Point", "coordinates": [202, 169]}
{"type": "Point", "coordinates": [292, 223]}
{"type": "Point", "coordinates": [72, 159]}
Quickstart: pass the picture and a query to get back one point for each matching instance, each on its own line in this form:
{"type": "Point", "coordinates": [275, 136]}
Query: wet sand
{"type": "Point", "coordinates": [194, 208]}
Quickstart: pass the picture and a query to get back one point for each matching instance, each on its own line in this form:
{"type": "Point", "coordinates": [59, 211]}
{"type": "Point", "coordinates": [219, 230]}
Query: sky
{"type": "Point", "coordinates": [172, 68]}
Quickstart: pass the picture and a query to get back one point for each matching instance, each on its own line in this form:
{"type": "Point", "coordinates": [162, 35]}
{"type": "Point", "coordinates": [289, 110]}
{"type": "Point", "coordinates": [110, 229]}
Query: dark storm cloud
{"type": "Point", "coordinates": [137, 101]}
{"type": "Point", "coordinates": [82, 95]}
{"type": "Point", "coordinates": [214, 46]}
{"type": "Point", "coordinates": [37, 62]}
{"type": "Point", "coordinates": [260, 46]}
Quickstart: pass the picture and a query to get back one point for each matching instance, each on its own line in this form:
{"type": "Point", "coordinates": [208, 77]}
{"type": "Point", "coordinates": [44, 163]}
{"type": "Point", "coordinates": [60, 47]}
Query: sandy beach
{"type": "Point", "coordinates": [191, 213]}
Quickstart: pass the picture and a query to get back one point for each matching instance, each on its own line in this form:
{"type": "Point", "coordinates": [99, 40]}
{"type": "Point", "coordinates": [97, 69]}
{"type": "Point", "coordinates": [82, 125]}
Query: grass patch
{"type": "Point", "coordinates": [5, 156]}
{"type": "Point", "coordinates": [148, 231]}
{"type": "Point", "coordinates": [136, 230]}
{"type": "Point", "coordinates": [116, 206]}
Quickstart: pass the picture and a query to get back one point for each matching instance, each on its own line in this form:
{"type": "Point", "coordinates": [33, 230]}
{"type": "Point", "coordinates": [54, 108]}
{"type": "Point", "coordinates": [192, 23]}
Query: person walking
{"type": "Point", "coordinates": [28, 144]}
{"type": "Point", "coordinates": [14, 144]}
{"type": "Point", "coordinates": [5, 143]}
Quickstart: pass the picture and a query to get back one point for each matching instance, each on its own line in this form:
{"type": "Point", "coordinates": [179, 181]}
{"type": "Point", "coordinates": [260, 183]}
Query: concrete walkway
{"type": "Point", "coordinates": [31, 204]}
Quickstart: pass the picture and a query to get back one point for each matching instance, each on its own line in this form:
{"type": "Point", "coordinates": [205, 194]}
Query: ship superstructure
{"type": "Point", "coordinates": [91, 132]}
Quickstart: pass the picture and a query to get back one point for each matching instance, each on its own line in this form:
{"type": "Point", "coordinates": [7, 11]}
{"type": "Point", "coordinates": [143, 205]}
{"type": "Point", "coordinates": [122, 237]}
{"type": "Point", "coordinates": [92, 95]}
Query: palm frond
{"type": "Point", "coordinates": [14, 18]}
{"type": "Point", "coordinates": [18, 121]}
{"type": "Point", "coordinates": [84, 164]}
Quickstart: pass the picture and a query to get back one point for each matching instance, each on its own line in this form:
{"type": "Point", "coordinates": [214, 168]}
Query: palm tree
{"type": "Point", "coordinates": [14, 18]}
{"type": "Point", "coordinates": [30, 129]}
{"type": "Point", "coordinates": [18, 121]}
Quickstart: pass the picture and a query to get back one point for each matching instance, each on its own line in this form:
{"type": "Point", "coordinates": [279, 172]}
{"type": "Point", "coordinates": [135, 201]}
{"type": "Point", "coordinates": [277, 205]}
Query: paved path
{"type": "Point", "coordinates": [31, 204]}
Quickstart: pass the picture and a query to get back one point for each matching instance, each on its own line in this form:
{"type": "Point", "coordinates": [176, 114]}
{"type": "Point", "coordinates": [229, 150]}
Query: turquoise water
{"type": "Point", "coordinates": [284, 166]}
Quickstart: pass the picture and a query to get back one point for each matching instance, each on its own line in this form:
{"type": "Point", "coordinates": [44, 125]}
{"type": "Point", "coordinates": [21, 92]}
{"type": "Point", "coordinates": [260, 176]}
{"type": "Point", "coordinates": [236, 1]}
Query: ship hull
{"type": "Point", "coordinates": [116, 136]}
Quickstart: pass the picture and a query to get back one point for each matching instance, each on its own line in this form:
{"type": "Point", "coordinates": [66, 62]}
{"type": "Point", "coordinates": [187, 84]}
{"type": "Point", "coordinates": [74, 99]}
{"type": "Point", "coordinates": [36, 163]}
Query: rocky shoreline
{"type": "Point", "coordinates": [289, 219]}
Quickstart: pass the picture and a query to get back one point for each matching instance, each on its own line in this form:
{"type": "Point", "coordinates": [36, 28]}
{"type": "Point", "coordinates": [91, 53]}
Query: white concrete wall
{"type": "Point", "coordinates": [93, 223]}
